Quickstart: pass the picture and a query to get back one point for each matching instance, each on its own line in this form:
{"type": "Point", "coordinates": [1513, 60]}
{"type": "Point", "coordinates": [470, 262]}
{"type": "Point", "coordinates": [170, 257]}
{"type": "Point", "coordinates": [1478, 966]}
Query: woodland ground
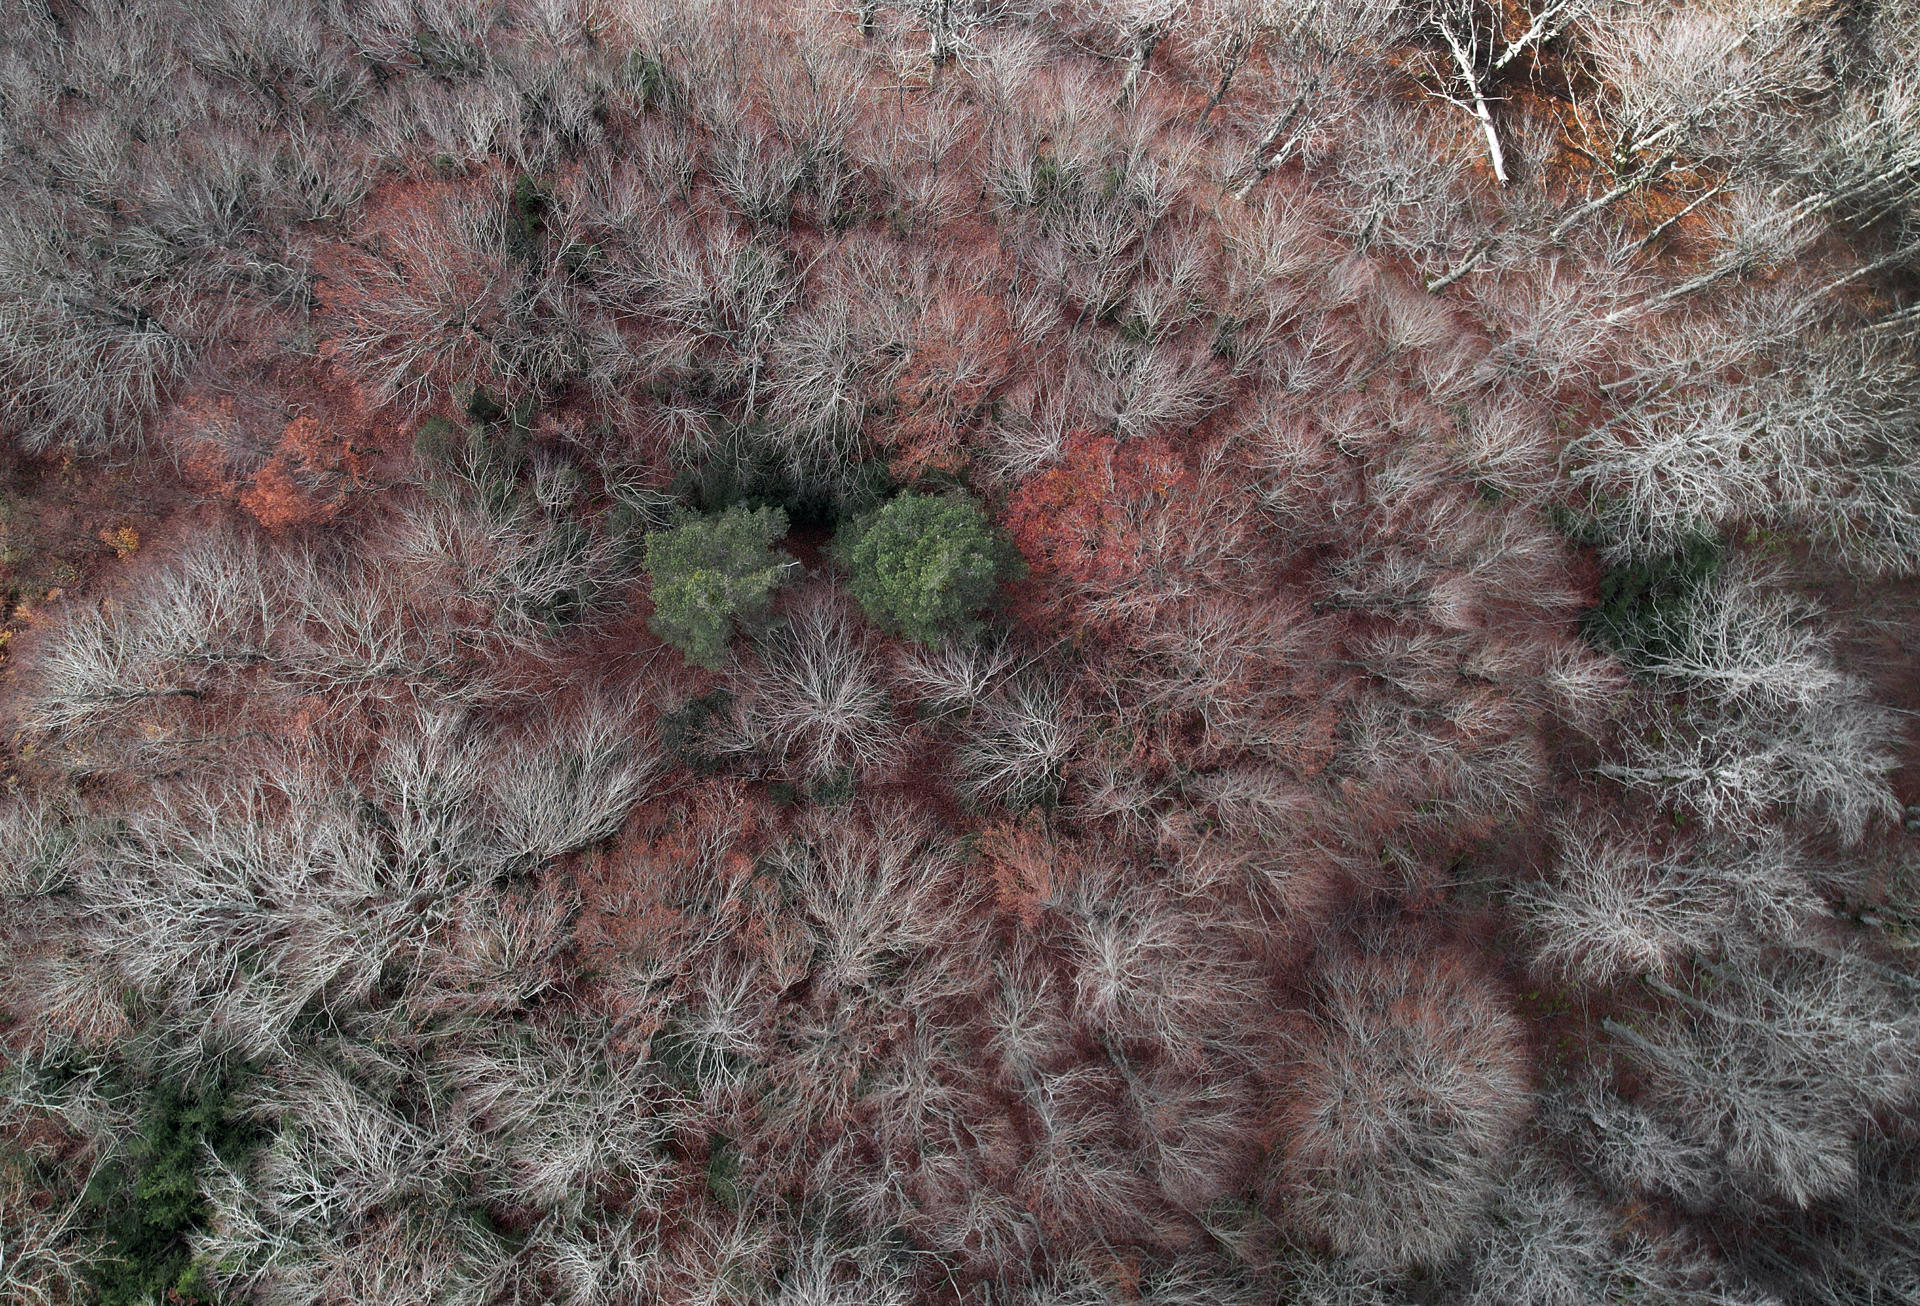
{"type": "Point", "coordinates": [1427, 817]}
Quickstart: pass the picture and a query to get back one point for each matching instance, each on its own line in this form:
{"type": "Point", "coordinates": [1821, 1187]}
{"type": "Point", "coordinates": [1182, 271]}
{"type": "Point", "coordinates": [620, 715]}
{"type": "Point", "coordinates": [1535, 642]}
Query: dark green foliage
{"type": "Point", "coordinates": [1226, 338]}
{"type": "Point", "coordinates": [834, 789]}
{"type": "Point", "coordinates": [448, 56]}
{"type": "Point", "coordinates": [924, 565]}
{"type": "Point", "coordinates": [649, 80]}
{"type": "Point", "coordinates": [578, 259]}
{"type": "Point", "coordinates": [1052, 185]}
{"type": "Point", "coordinates": [747, 471]}
{"type": "Point", "coordinates": [498, 454]}
{"type": "Point", "coordinates": [437, 444]}
{"type": "Point", "coordinates": [1640, 600]}
{"type": "Point", "coordinates": [723, 1172]}
{"type": "Point", "coordinates": [711, 572]}
{"type": "Point", "coordinates": [493, 453]}
{"type": "Point", "coordinates": [686, 732]}
{"type": "Point", "coordinates": [530, 203]}
{"type": "Point", "coordinates": [483, 407]}
{"type": "Point", "coordinates": [149, 1202]}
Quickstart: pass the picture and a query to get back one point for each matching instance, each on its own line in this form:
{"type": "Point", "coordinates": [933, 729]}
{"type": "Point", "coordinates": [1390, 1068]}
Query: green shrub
{"type": "Point", "coordinates": [449, 56]}
{"type": "Point", "coordinates": [483, 407]}
{"type": "Point", "coordinates": [1640, 599]}
{"type": "Point", "coordinates": [724, 1172]}
{"type": "Point", "coordinates": [492, 463]}
{"type": "Point", "coordinates": [686, 732]}
{"type": "Point", "coordinates": [649, 80]}
{"type": "Point", "coordinates": [531, 200]}
{"type": "Point", "coordinates": [149, 1202]}
{"type": "Point", "coordinates": [437, 444]}
{"type": "Point", "coordinates": [834, 789]}
{"type": "Point", "coordinates": [712, 571]}
{"type": "Point", "coordinates": [924, 565]}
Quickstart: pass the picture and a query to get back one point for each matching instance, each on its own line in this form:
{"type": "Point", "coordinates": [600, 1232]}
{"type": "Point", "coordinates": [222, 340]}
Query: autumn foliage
{"type": "Point", "coordinates": [958, 652]}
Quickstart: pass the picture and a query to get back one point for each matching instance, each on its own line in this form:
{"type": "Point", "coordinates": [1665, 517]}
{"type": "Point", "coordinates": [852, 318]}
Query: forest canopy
{"type": "Point", "coordinates": [973, 652]}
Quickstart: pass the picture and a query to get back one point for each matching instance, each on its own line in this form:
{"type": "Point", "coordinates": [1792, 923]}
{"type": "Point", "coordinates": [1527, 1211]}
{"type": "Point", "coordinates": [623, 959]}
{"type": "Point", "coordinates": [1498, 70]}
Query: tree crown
{"type": "Point", "coordinates": [924, 565]}
{"type": "Point", "coordinates": [709, 572]}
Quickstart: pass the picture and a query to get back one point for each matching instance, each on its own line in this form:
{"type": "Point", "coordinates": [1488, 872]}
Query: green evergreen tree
{"type": "Point", "coordinates": [925, 565]}
{"type": "Point", "coordinates": [149, 1202]}
{"type": "Point", "coordinates": [711, 571]}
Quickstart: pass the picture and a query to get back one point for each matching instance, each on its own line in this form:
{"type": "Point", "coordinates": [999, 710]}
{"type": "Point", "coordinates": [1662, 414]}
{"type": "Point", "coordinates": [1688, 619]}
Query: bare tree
{"type": "Point", "coordinates": [951, 25]}
{"type": "Point", "coordinates": [1332, 1281]}
{"type": "Point", "coordinates": [1412, 1058]}
{"type": "Point", "coordinates": [954, 677]}
{"type": "Point", "coordinates": [1782, 1067]}
{"type": "Point", "coordinates": [1226, 36]}
{"type": "Point", "coordinates": [1142, 25]}
{"type": "Point", "coordinates": [1017, 745]}
{"type": "Point", "coordinates": [1682, 83]}
{"type": "Point", "coordinates": [1333, 48]}
{"type": "Point", "coordinates": [49, 1246]}
{"type": "Point", "coordinates": [1143, 974]}
{"type": "Point", "coordinates": [85, 362]}
{"type": "Point", "coordinates": [1631, 1151]}
{"type": "Point", "coordinates": [825, 1275]}
{"type": "Point", "coordinates": [532, 569]}
{"type": "Point", "coordinates": [1735, 767]}
{"type": "Point", "coordinates": [817, 698]}
{"type": "Point", "coordinates": [1772, 723]}
{"type": "Point", "coordinates": [1617, 908]}
{"type": "Point", "coordinates": [1480, 46]}
{"type": "Point", "coordinates": [1858, 1246]}
{"type": "Point", "coordinates": [216, 610]}
{"type": "Point", "coordinates": [1740, 640]}
{"type": "Point", "coordinates": [1806, 431]}
{"type": "Point", "coordinates": [875, 892]}
{"type": "Point", "coordinates": [1549, 1243]}
{"type": "Point", "coordinates": [575, 786]}
{"type": "Point", "coordinates": [428, 306]}
{"type": "Point", "coordinates": [1604, 918]}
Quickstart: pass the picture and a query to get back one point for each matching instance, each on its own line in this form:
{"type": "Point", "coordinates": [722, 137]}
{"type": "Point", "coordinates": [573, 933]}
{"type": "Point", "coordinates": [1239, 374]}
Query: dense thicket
{"type": "Point", "coordinates": [536, 773]}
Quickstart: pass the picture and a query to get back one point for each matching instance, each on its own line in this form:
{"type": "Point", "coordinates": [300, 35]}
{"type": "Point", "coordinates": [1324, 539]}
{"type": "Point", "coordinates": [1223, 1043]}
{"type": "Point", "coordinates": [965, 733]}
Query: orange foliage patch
{"type": "Point", "coordinates": [124, 541]}
{"type": "Point", "coordinates": [306, 478]}
{"type": "Point", "coordinates": [635, 895]}
{"type": "Point", "coordinates": [301, 474]}
{"type": "Point", "coordinates": [1025, 866]}
{"type": "Point", "coordinates": [1078, 521]}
